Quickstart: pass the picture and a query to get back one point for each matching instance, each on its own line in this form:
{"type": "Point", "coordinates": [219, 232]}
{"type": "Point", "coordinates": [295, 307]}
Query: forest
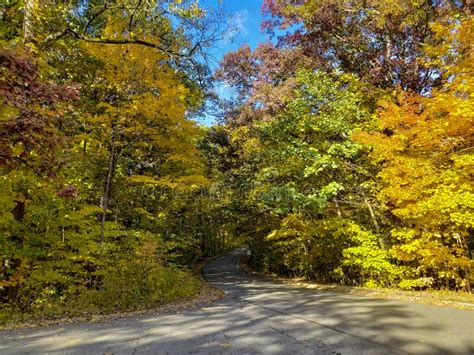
{"type": "Point", "coordinates": [344, 154]}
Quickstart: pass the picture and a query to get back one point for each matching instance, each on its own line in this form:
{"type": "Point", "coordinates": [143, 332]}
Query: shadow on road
{"type": "Point", "coordinates": [260, 316]}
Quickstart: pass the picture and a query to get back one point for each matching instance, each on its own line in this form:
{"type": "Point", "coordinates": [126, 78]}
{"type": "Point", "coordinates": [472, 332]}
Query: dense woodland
{"type": "Point", "coordinates": [344, 156]}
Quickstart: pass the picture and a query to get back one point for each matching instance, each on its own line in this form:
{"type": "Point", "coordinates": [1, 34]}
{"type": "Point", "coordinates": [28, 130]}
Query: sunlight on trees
{"type": "Point", "coordinates": [345, 155]}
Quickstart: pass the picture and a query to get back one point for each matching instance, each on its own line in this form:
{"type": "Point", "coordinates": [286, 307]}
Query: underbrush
{"type": "Point", "coordinates": [124, 285]}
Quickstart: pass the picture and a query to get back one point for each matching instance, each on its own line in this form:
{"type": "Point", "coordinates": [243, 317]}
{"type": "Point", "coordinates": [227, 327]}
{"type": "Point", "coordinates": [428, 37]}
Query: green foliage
{"type": "Point", "coordinates": [128, 284]}
{"type": "Point", "coordinates": [99, 159]}
{"type": "Point", "coordinates": [307, 180]}
{"type": "Point", "coordinates": [110, 191]}
{"type": "Point", "coordinates": [347, 181]}
{"type": "Point", "coordinates": [304, 163]}
{"type": "Point", "coordinates": [366, 262]}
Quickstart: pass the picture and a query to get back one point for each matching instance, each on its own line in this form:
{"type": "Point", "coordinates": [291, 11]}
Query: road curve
{"type": "Point", "coordinates": [260, 316]}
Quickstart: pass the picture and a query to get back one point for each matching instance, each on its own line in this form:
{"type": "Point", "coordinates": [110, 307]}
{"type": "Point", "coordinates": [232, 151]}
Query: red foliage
{"type": "Point", "coordinates": [382, 48]}
{"type": "Point", "coordinates": [32, 120]}
{"type": "Point", "coordinates": [262, 78]}
{"type": "Point", "coordinates": [69, 191]}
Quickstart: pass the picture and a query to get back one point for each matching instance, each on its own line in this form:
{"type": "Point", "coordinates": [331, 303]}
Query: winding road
{"type": "Point", "coordinates": [261, 316]}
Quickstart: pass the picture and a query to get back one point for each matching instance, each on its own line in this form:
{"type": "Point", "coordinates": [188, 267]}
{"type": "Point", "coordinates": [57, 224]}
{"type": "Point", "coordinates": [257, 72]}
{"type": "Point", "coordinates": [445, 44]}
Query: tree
{"type": "Point", "coordinates": [306, 185]}
{"type": "Point", "coordinates": [316, 199]}
{"type": "Point", "coordinates": [425, 147]}
{"type": "Point", "coordinates": [99, 156]}
{"type": "Point", "coordinates": [381, 41]}
{"type": "Point", "coordinates": [262, 79]}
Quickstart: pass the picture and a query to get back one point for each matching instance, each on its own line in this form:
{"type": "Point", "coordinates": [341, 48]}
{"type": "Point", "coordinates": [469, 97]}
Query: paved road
{"type": "Point", "coordinates": [259, 316]}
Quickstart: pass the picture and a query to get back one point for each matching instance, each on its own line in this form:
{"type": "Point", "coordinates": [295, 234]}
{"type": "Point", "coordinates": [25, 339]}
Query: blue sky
{"type": "Point", "coordinates": [246, 17]}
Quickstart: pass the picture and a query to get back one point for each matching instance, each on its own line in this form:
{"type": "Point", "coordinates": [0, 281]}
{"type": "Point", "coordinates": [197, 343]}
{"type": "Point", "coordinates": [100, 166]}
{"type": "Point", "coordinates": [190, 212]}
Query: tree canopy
{"type": "Point", "coordinates": [345, 155]}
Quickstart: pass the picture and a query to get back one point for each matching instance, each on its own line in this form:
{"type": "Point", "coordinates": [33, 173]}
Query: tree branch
{"type": "Point", "coordinates": [122, 41]}
{"type": "Point", "coordinates": [130, 23]}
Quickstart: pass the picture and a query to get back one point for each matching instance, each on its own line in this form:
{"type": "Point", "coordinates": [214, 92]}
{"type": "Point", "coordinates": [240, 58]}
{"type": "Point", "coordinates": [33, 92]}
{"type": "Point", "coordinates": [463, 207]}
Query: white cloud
{"type": "Point", "coordinates": [238, 26]}
{"type": "Point", "coordinates": [240, 21]}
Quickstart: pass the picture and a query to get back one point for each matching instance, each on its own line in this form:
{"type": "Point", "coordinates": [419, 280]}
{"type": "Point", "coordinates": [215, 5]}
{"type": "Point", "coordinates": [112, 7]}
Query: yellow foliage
{"type": "Point", "coordinates": [425, 144]}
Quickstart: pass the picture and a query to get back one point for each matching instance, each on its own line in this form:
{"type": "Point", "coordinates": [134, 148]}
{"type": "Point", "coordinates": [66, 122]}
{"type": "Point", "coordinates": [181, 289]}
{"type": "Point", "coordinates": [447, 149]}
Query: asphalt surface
{"type": "Point", "coordinates": [261, 316]}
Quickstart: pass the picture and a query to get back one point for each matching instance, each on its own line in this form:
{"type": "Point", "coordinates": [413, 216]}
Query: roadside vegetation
{"type": "Point", "coordinates": [350, 140]}
{"type": "Point", "coordinates": [101, 173]}
{"type": "Point", "coordinates": [344, 156]}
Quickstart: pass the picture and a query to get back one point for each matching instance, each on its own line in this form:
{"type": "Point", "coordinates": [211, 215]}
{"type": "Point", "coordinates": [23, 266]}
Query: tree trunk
{"type": "Point", "coordinates": [104, 201]}
{"type": "Point", "coordinates": [28, 19]}
{"type": "Point", "coordinates": [374, 221]}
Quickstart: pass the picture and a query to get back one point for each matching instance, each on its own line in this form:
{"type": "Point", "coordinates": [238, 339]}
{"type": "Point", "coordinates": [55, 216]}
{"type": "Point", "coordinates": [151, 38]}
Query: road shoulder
{"type": "Point", "coordinates": [458, 300]}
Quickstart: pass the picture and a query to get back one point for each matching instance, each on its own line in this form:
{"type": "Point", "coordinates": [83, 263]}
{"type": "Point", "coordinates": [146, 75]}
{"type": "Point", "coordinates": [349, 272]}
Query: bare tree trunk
{"type": "Point", "coordinates": [29, 11]}
{"type": "Point", "coordinates": [374, 221]}
{"type": "Point", "coordinates": [104, 201]}
{"type": "Point", "coordinates": [388, 55]}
